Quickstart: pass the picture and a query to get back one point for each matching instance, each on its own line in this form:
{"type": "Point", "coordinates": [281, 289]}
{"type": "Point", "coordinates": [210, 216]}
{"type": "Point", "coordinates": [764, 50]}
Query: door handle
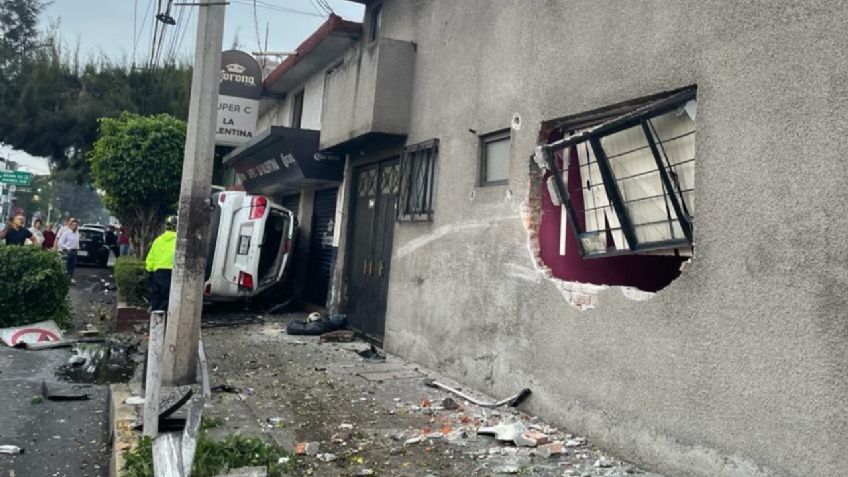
{"type": "Point", "coordinates": [370, 267]}
{"type": "Point", "coordinates": [380, 270]}
{"type": "Point", "coordinates": [365, 267]}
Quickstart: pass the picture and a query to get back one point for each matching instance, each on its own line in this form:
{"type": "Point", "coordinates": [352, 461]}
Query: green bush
{"type": "Point", "coordinates": [131, 279]}
{"type": "Point", "coordinates": [215, 457]}
{"type": "Point", "coordinates": [33, 287]}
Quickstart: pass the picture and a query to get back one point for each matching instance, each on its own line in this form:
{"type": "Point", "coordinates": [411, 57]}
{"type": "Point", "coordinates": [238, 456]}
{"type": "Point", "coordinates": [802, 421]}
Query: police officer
{"type": "Point", "coordinates": [160, 262]}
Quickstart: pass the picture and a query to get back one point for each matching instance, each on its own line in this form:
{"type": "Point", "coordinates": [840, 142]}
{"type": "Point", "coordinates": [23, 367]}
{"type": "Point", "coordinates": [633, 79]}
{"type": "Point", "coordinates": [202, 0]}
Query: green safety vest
{"type": "Point", "coordinates": [161, 254]}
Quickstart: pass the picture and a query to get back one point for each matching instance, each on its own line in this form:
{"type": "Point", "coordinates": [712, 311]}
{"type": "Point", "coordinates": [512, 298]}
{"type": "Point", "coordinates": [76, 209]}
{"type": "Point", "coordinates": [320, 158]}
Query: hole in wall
{"type": "Point", "coordinates": [558, 242]}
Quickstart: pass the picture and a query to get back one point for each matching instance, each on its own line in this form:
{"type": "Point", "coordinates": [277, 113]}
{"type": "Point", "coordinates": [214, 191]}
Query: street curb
{"type": "Point", "coordinates": [121, 418]}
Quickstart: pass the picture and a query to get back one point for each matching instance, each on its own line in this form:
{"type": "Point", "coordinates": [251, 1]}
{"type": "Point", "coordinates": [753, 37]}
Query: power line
{"type": "Point", "coordinates": [187, 27]}
{"type": "Point", "coordinates": [256, 27]}
{"type": "Point", "coordinates": [316, 8]}
{"type": "Point", "coordinates": [141, 29]}
{"type": "Point", "coordinates": [269, 6]}
{"type": "Point", "coordinates": [172, 44]}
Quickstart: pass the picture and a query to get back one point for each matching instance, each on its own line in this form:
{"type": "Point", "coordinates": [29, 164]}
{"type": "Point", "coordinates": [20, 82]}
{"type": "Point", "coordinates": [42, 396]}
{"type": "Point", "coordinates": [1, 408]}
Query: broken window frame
{"type": "Point", "coordinates": [417, 161]}
{"type": "Point", "coordinates": [671, 191]}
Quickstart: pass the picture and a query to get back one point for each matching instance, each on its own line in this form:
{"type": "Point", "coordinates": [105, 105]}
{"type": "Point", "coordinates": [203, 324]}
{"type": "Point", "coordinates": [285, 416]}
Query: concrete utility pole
{"type": "Point", "coordinates": [186, 300]}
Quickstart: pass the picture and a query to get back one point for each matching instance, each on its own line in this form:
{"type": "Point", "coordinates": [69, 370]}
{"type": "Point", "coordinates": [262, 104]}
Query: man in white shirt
{"type": "Point", "coordinates": [62, 230]}
{"type": "Point", "coordinates": [68, 246]}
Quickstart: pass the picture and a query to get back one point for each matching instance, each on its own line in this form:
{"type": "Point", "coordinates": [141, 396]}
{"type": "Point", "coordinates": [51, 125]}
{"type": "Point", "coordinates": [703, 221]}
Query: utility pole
{"type": "Point", "coordinates": [182, 334]}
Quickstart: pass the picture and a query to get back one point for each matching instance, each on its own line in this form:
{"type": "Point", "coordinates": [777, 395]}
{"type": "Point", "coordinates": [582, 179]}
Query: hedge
{"type": "Point", "coordinates": [33, 286]}
{"type": "Point", "coordinates": [131, 278]}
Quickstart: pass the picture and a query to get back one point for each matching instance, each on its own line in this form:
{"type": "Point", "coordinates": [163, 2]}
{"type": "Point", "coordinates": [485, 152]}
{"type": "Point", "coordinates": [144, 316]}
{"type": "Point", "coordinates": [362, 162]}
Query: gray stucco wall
{"type": "Point", "coordinates": [739, 367]}
{"type": "Point", "coordinates": [353, 107]}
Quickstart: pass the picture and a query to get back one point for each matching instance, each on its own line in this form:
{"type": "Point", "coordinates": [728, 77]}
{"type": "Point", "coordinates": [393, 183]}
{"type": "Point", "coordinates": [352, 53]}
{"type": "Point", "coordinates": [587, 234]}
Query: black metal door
{"type": "Point", "coordinates": [321, 250]}
{"type": "Point", "coordinates": [373, 220]}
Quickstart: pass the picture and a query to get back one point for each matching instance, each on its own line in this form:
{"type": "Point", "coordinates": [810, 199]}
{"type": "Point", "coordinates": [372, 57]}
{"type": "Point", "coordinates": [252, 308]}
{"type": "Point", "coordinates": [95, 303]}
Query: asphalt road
{"type": "Point", "coordinates": [59, 438]}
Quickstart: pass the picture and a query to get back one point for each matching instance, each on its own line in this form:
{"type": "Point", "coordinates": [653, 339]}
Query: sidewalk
{"type": "Point", "coordinates": [363, 417]}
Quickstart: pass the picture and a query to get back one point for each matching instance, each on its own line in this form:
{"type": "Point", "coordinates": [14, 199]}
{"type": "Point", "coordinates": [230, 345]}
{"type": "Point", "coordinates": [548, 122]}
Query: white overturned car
{"type": "Point", "coordinates": [250, 245]}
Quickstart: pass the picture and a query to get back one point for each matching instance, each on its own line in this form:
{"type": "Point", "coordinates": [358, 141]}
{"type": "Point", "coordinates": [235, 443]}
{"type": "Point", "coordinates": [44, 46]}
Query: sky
{"type": "Point", "coordinates": [36, 165]}
{"type": "Point", "coordinates": [117, 28]}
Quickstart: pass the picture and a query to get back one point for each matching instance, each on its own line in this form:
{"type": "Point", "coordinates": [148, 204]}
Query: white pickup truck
{"type": "Point", "coordinates": [250, 245]}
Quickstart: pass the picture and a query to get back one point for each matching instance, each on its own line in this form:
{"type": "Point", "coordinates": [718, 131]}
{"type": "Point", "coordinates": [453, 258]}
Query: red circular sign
{"type": "Point", "coordinates": [40, 334]}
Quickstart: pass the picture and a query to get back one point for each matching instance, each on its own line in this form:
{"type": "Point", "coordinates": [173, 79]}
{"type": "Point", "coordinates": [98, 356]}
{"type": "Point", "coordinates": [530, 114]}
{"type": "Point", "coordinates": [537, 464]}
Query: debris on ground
{"type": "Point", "coordinates": [225, 388]}
{"type": "Point", "coordinates": [307, 448]}
{"type": "Point", "coordinates": [10, 449]}
{"type": "Point", "coordinates": [20, 336]}
{"type": "Point", "coordinates": [352, 416]}
{"type": "Point", "coordinates": [512, 401]}
{"type": "Point", "coordinates": [134, 401]}
{"type": "Point", "coordinates": [507, 432]}
{"type": "Point", "coordinates": [372, 354]}
{"type": "Point", "coordinates": [338, 336]}
{"type": "Point", "coordinates": [57, 393]}
{"type": "Point", "coordinates": [314, 325]}
{"type": "Point", "coordinates": [89, 331]}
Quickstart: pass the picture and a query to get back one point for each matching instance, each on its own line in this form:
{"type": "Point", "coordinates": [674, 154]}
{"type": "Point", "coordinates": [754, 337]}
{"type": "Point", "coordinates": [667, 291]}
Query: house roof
{"type": "Point", "coordinates": [317, 52]}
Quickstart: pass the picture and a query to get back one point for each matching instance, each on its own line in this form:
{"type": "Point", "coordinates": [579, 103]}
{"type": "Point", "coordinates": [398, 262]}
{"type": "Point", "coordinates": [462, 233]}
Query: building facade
{"type": "Point", "coordinates": [283, 162]}
{"type": "Point", "coordinates": [697, 344]}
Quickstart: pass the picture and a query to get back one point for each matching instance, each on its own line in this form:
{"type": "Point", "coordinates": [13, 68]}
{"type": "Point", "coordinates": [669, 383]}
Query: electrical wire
{"type": "Point", "coordinates": [172, 43]}
{"type": "Point", "coordinates": [277, 8]}
{"type": "Point", "coordinates": [256, 27]}
{"type": "Point", "coordinates": [187, 27]}
{"type": "Point", "coordinates": [316, 8]}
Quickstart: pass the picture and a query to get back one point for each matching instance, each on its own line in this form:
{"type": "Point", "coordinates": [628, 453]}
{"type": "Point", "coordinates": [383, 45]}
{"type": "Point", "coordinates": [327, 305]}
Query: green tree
{"type": "Point", "coordinates": [18, 21]}
{"type": "Point", "coordinates": [137, 163]}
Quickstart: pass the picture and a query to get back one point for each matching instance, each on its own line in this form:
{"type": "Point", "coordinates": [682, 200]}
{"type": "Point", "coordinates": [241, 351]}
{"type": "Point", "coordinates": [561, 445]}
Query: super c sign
{"type": "Point", "coordinates": [238, 98]}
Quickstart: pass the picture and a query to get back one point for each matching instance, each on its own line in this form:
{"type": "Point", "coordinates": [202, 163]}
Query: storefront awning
{"type": "Point", "coordinates": [282, 160]}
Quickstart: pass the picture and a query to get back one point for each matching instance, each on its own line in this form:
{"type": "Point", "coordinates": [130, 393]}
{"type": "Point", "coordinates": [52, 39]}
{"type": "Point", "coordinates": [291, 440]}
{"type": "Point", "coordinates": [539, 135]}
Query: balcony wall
{"type": "Point", "coordinates": [369, 93]}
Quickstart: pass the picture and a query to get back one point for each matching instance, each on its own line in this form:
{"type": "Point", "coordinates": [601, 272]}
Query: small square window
{"type": "Point", "coordinates": [494, 158]}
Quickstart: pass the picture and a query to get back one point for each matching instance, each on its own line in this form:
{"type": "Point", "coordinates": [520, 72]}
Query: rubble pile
{"type": "Point", "coordinates": [342, 413]}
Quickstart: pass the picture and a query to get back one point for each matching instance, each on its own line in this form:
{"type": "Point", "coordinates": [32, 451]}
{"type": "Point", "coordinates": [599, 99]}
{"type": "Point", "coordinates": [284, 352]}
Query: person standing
{"type": "Point", "coordinates": [37, 235]}
{"type": "Point", "coordinates": [112, 240]}
{"type": "Point", "coordinates": [68, 246]}
{"type": "Point", "coordinates": [62, 229]}
{"type": "Point", "coordinates": [123, 242]}
{"type": "Point", "coordinates": [49, 237]}
{"type": "Point", "coordinates": [15, 233]}
{"type": "Point", "coordinates": [160, 262]}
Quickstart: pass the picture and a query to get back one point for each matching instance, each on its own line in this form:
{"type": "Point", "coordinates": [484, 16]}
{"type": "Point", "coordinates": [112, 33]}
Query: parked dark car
{"type": "Point", "coordinates": [93, 249]}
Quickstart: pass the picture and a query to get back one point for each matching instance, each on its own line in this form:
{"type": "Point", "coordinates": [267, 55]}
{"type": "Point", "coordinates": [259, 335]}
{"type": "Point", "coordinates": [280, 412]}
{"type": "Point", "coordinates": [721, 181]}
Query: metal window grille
{"type": "Point", "coordinates": [418, 168]}
{"type": "Point", "coordinates": [636, 179]}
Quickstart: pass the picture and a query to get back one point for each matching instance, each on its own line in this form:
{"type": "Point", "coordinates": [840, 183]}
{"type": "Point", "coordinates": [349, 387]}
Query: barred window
{"type": "Point", "coordinates": [418, 168]}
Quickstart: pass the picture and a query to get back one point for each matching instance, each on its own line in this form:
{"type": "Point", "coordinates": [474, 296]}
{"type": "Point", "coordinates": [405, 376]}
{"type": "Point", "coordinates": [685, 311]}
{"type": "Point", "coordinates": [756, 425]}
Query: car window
{"type": "Point", "coordinates": [92, 235]}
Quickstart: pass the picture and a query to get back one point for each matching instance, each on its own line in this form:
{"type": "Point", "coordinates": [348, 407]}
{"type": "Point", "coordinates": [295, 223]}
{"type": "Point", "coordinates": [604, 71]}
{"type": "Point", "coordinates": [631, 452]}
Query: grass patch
{"type": "Point", "coordinates": [215, 457]}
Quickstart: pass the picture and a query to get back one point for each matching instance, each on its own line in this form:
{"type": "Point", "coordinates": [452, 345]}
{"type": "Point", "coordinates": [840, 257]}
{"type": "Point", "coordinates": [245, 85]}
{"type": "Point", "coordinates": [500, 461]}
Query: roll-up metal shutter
{"type": "Point", "coordinates": [322, 254]}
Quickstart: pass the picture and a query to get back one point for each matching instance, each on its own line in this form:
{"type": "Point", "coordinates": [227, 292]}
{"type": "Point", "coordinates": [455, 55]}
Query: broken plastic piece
{"type": "Point", "coordinates": [9, 449]}
{"type": "Point", "coordinates": [512, 401]}
{"type": "Point", "coordinates": [62, 394]}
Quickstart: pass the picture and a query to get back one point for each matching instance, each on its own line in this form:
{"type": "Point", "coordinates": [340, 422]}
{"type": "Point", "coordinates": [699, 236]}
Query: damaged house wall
{"type": "Point", "coordinates": [738, 367]}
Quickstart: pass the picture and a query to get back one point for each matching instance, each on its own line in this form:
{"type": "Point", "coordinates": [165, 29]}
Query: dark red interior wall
{"type": "Point", "coordinates": [649, 273]}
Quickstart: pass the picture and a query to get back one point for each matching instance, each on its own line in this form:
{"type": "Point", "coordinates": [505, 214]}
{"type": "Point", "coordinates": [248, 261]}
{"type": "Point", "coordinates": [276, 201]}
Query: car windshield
{"type": "Point", "coordinates": [92, 235]}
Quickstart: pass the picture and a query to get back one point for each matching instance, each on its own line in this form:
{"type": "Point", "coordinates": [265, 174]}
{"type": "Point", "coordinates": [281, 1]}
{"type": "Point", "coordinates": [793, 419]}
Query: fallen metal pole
{"type": "Point", "coordinates": [512, 401]}
{"type": "Point", "coordinates": [204, 371]}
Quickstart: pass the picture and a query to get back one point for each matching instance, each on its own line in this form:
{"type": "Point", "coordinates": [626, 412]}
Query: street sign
{"type": "Point", "coordinates": [238, 98]}
{"type": "Point", "coordinates": [15, 177]}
